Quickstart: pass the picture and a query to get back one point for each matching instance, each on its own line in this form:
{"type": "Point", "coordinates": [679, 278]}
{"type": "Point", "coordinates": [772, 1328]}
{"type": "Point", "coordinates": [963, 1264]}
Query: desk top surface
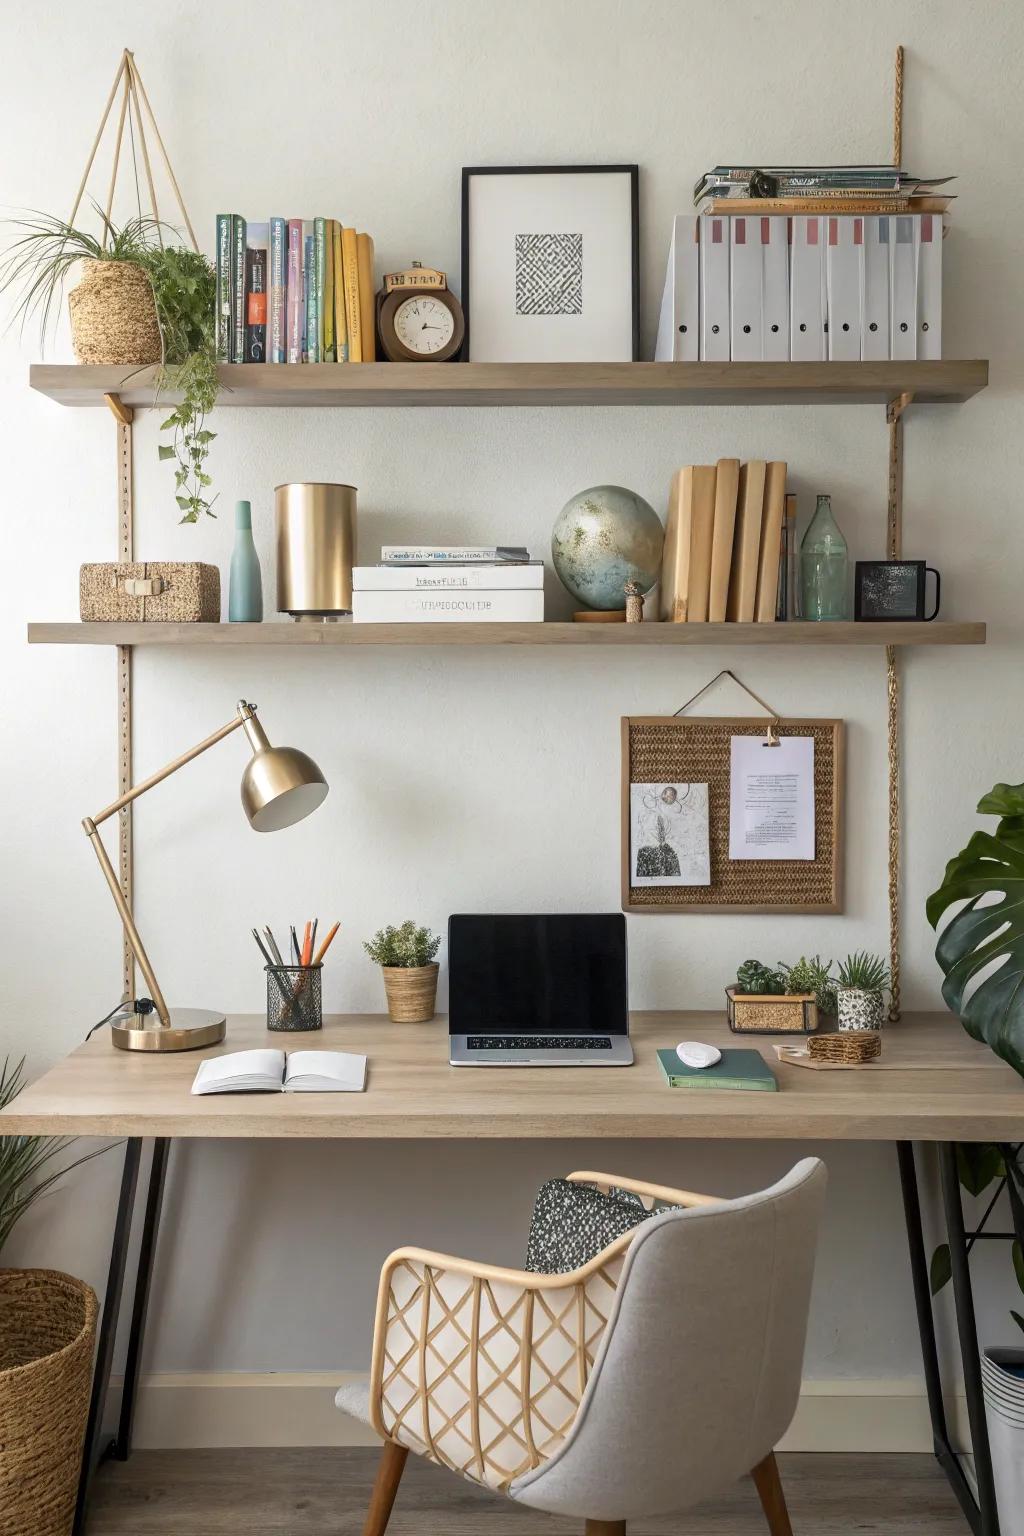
{"type": "Point", "coordinates": [932, 1083]}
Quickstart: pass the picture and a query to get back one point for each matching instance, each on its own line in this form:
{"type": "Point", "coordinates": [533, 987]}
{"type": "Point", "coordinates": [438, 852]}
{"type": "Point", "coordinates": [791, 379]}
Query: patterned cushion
{"type": "Point", "coordinates": [572, 1223]}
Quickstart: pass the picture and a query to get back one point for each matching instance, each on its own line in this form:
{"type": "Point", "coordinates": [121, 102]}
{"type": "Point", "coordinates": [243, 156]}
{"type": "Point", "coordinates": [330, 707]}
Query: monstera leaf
{"type": "Point", "coordinates": [991, 865]}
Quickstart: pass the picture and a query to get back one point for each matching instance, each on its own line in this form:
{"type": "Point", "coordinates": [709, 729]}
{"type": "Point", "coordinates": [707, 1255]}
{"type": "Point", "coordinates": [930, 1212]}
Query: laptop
{"type": "Point", "coordinates": [538, 991]}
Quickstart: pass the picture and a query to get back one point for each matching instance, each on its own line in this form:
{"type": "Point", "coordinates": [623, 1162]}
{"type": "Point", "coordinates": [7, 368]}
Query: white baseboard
{"type": "Point", "coordinates": [193, 1410]}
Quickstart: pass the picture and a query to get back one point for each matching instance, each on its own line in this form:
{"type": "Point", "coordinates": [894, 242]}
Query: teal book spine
{"type": "Point", "coordinates": [245, 583]}
{"type": "Point", "coordinates": [238, 289]}
{"type": "Point", "coordinates": [223, 301]}
{"type": "Point", "coordinates": [316, 295]}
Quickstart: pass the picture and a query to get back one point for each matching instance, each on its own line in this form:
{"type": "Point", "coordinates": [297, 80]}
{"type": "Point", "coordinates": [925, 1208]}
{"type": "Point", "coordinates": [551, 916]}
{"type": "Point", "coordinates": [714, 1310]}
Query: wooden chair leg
{"type": "Point", "coordinates": [773, 1500]}
{"type": "Point", "coordinates": [382, 1499]}
{"type": "Point", "coordinates": [606, 1528]}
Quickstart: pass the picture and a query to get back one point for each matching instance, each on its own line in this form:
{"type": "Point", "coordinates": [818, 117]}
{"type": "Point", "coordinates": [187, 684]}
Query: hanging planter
{"type": "Point", "coordinates": [113, 315]}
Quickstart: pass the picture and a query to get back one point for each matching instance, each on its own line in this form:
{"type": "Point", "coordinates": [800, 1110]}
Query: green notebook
{"type": "Point", "coordinates": [737, 1069]}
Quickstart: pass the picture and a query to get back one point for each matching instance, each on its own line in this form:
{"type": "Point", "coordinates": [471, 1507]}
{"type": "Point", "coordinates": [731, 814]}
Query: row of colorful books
{"type": "Point", "coordinates": [449, 584]}
{"type": "Point", "coordinates": [729, 544]}
{"type": "Point", "coordinates": [294, 291]}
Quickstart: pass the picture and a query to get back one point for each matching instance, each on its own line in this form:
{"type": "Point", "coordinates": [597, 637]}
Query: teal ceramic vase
{"type": "Point", "coordinates": [245, 584]}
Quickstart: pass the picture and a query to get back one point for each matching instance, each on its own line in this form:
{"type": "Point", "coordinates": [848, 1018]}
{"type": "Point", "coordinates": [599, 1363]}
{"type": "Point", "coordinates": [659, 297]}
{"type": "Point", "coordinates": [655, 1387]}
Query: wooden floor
{"type": "Point", "coordinates": [324, 1493]}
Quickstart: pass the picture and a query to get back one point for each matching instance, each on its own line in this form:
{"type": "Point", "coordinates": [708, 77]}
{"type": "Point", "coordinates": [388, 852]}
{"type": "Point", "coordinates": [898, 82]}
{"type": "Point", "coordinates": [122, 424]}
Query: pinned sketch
{"type": "Point", "coordinates": [669, 835]}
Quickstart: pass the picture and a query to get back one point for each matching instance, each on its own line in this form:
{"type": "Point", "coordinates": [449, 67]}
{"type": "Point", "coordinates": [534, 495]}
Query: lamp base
{"type": "Point", "coordinates": [189, 1029]}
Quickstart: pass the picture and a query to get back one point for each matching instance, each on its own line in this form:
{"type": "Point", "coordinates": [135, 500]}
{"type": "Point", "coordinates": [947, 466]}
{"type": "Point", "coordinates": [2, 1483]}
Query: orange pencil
{"type": "Point", "coordinates": [307, 944]}
{"type": "Point", "coordinates": [323, 947]}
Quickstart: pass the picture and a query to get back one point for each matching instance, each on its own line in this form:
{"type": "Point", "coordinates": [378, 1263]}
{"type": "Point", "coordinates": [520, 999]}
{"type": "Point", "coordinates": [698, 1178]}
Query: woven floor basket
{"type": "Point", "coordinates": [113, 315]}
{"type": "Point", "coordinates": [411, 992]}
{"type": "Point", "coordinates": [47, 1331]}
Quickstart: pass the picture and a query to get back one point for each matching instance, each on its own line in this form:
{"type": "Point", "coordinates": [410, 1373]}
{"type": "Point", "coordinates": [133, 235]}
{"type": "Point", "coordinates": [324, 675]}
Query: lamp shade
{"type": "Point", "coordinates": [280, 786]}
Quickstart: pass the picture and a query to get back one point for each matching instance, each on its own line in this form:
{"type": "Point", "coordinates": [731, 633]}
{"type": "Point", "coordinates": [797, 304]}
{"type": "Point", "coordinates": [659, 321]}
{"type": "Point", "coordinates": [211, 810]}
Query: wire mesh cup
{"type": "Point", "coordinates": [294, 997]}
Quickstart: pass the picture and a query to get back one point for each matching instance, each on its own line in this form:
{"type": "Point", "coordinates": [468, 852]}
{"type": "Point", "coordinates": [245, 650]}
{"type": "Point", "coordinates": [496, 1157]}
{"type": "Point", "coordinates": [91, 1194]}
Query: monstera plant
{"type": "Point", "coordinates": [987, 934]}
{"type": "Point", "coordinates": [981, 952]}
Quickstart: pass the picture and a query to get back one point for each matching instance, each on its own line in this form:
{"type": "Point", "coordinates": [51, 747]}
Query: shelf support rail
{"type": "Point", "coordinates": [894, 549]}
{"type": "Point", "coordinates": [125, 552]}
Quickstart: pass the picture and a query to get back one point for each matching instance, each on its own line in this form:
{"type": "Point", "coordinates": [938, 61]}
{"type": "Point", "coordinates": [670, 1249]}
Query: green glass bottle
{"type": "Point", "coordinates": [245, 587]}
{"type": "Point", "coordinates": [824, 567]}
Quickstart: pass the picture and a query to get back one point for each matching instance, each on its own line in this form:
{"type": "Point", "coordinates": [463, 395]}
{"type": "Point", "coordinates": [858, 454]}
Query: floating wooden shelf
{"type": "Point", "coordinates": [383, 384]}
{"type": "Point", "coordinates": [639, 635]}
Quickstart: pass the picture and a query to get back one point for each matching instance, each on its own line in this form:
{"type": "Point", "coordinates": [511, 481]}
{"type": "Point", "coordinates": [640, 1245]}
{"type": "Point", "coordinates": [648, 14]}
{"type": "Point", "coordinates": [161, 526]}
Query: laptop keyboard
{"type": "Point", "coordinates": [539, 1043]}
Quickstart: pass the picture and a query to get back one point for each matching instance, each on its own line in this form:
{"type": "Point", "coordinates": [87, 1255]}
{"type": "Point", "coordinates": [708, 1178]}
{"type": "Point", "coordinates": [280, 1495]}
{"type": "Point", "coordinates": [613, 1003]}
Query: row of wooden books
{"type": "Point", "coordinates": [729, 528]}
{"type": "Point", "coordinates": [294, 291]}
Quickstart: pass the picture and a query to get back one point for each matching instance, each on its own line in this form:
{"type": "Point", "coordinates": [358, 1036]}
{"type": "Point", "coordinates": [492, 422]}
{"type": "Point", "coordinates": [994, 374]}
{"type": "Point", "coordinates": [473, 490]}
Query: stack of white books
{"type": "Point", "coordinates": [449, 584]}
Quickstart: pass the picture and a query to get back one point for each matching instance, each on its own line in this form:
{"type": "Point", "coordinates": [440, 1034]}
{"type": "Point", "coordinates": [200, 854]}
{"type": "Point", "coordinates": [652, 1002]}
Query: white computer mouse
{"type": "Point", "coordinates": [697, 1055]}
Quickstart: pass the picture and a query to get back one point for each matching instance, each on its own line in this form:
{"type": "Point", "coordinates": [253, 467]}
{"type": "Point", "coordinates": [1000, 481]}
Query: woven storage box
{"type": "Point", "coordinates": [846, 1045]}
{"type": "Point", "coordinates": [113, 315]}
{"type": "Point", "coordinates": [759, 1014]}
{"type": "Point", "coordinates": [47, 1332]}
{"type": "Point", "coordinates": [160, 591]}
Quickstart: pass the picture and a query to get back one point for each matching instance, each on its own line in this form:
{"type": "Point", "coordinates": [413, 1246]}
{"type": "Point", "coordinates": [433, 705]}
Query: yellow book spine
{"type": "Point", "coordinates": [350, 270]}
{"type": "Point", "coordinates": [340, 323]}
{"type": "Point", "coordinates": [368, 323]}
{"type": "Point", "coordinates": [329, 354]}
{"type": "Point", "coordinates": [675, 557]}
{"type": "Point", "coordinates": [746, 544]}
{"type": "Point", "coordinates": [771, 541]}
{"type": "Point", "coordinates": [726, 490]}
{"type": "Point", "coordinates": [702, 523]}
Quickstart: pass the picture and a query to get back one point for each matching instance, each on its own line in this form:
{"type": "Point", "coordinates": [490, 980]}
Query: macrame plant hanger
{"type": "Point", "coordinates": [134, 109]}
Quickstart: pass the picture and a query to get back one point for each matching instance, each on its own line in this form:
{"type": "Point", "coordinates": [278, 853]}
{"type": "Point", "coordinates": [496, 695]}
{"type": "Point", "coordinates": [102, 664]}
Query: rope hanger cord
{"type": "Point", "coordinates": [772, 738]}
{"type": "Point", "coordinates": [133, 99]}
{"type": "Point", "coordinates": [892, 680]}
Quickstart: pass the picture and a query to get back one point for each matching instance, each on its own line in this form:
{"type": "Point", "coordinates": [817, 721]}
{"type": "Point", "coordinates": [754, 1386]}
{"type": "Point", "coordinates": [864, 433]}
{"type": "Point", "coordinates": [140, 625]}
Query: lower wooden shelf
{"type": "Point", "coordinates": [283, 632]}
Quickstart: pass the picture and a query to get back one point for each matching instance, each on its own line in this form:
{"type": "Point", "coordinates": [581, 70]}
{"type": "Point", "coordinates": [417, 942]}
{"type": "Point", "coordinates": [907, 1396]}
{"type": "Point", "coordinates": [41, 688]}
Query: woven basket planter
{"type": "Point", "coordinates": [47, 1333]}
{"type": "Point", "coordinates": [759, 1013]}
{"type": "Point", "coordinates": [411, 992]}
{"type": "Point", "coordinates": [113, 315]}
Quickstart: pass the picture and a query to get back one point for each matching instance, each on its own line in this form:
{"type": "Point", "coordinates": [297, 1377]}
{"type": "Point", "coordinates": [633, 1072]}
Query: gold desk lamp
{"type": "Point", "coordinates": [280, 786]}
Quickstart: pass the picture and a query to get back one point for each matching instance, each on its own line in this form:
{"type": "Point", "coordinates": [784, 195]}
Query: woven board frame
{"type": "Point", "coordinates": [666, 749]}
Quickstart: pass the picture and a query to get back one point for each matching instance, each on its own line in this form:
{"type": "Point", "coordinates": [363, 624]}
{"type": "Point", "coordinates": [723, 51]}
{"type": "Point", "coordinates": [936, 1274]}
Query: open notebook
{"type": "Point", "coordinates": [278, 1072]}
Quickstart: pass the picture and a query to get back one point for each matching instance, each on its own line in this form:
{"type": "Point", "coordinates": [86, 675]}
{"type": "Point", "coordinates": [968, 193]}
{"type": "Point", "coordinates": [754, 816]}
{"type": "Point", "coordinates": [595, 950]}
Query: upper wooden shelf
{"type": "Point", "coordinates": [381, 384]}
{"type": "Point", "coordinates": [283, 632]}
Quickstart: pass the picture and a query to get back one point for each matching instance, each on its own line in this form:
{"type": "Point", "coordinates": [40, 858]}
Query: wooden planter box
{"type": "Point", "coordinates": [762, 1014]}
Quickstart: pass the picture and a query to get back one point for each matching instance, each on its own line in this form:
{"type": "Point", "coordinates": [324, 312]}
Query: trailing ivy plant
{"type": "Point", "coordinates": [36, 269]}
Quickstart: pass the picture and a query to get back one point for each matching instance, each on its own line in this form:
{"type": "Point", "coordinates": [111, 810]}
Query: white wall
{"type": "Point", "coordinates": [482, 779]}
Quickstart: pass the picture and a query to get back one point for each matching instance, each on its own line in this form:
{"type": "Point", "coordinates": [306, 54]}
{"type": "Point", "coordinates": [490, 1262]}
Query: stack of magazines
{"type": "Point", "coordinates": [449, 584]}
{"type": "Point", "coordinates": [819, 189]}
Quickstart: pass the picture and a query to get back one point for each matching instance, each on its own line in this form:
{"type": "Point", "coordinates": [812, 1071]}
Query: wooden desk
{"type": "Point", "coordinates": [933, 1083]}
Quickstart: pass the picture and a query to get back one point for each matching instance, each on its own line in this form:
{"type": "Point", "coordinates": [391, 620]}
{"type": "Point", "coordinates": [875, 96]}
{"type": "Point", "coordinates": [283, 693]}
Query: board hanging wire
{"type": "Point", "coordinates": [772, 734]}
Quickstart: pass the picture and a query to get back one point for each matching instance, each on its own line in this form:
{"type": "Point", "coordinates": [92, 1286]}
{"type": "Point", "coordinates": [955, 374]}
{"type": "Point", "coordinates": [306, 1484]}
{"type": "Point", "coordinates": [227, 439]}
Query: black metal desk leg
{"type": "Point", "coordinates": [108, 1324]}
{"type": "Point", "coordinates": [923, 1297]}
{"type": "Point", "coordinates": [154, 1200]}
{"type": "Point", "coordinates": [963, 1298]}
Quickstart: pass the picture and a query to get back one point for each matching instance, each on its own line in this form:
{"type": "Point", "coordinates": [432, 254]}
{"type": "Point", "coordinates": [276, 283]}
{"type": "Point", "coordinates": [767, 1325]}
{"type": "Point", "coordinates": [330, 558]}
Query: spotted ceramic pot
{"type": "Point", "coordinates": [858, 1009]}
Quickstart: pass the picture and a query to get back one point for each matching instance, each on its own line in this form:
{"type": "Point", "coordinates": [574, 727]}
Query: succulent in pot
{"type": "Point", "coordinates": [860, 987]}
{"type": "Point", "coordinates": [406, 958]}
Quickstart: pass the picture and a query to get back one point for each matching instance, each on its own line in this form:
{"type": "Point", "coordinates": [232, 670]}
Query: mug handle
{"type": "Point", "coordinates": [930, 570]}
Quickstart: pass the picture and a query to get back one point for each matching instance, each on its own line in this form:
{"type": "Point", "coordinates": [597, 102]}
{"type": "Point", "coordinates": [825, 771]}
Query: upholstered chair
{"type": "Point", "coordinates": [639, 1384]}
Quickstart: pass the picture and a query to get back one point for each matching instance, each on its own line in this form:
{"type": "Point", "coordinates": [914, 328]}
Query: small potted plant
{"type": "Point", "coordinates": [860, 988]}
{"type": "Point", "coordinates": [406, 958]}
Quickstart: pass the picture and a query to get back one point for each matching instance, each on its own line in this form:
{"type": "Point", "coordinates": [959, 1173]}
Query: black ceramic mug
{"type": "Point", "coordinates": [893, 591]}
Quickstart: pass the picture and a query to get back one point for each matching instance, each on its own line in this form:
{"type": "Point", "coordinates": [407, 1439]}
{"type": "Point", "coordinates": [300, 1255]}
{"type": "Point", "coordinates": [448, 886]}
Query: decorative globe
{"type": "Point", "coordinates": [603, 538]}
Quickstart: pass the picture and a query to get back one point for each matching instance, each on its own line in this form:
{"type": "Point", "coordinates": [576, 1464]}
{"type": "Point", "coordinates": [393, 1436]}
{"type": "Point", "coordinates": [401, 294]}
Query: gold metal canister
{"type": "Point", "coordinates": [316, 540]}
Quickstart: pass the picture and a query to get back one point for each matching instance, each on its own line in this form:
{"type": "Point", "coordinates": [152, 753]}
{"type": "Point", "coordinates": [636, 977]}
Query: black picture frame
{"type": "Point", "coordinates": [632, 171]}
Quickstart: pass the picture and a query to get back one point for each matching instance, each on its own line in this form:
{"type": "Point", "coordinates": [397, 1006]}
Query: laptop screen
{"type": "Point", "coordinates": [558, 974]}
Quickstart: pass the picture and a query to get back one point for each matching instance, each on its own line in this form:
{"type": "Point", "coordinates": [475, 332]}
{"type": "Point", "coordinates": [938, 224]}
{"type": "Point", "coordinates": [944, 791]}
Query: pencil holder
{"type": "Point", "coordinates": [294, 998]}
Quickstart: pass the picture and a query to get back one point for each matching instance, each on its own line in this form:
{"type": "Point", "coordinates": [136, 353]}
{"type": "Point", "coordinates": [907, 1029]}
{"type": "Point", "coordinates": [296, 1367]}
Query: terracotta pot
{"type": "Point", "coordinates": [411, 992]}
{"type": "Point", "coordinates": [113, 315]}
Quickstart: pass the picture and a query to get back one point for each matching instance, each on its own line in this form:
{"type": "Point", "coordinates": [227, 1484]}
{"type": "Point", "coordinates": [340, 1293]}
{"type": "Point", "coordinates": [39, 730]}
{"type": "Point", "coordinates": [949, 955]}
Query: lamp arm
{"type": "Point", "coordinates": [246, 717]}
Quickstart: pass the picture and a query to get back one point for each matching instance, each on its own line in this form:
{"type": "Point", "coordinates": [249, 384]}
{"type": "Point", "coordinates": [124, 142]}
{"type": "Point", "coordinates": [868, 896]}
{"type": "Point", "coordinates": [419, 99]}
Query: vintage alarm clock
{"type": "Point", "coordinates": [419, 320]}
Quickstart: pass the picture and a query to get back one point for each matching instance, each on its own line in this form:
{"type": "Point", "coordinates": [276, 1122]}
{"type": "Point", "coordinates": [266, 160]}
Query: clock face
{"type": "Point", "coordinates": [423, 324]}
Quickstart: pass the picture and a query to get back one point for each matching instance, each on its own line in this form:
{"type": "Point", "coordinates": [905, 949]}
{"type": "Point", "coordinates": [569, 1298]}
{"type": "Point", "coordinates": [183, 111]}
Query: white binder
{"type": "Point", "coordinates": [745, 311]}
{"type": "Point", "coordinates": [807, 337]}
{"type": "Point", "coordinates": [874, 289]}
{"type": "Point", "coordinates": [903, 286]}
{"type": "Point", "coordinates": [842, 263]}
{"type": "Point", "coordinates": [714, 289]}
{"type": "Point", "coordinates": [929, 286]}
{"type": "Point", "coordinates": [774, 289]}
{"type": "Point", "coordinates": [678, 328]}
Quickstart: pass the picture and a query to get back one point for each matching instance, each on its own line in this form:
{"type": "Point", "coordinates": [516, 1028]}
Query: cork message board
{"type": "Point", "coordinates": [667, 749]}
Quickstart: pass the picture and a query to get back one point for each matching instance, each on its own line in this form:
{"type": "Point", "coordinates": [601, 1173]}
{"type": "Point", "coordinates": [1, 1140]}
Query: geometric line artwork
{"type": "Point", "coordinates": [549, 274]}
